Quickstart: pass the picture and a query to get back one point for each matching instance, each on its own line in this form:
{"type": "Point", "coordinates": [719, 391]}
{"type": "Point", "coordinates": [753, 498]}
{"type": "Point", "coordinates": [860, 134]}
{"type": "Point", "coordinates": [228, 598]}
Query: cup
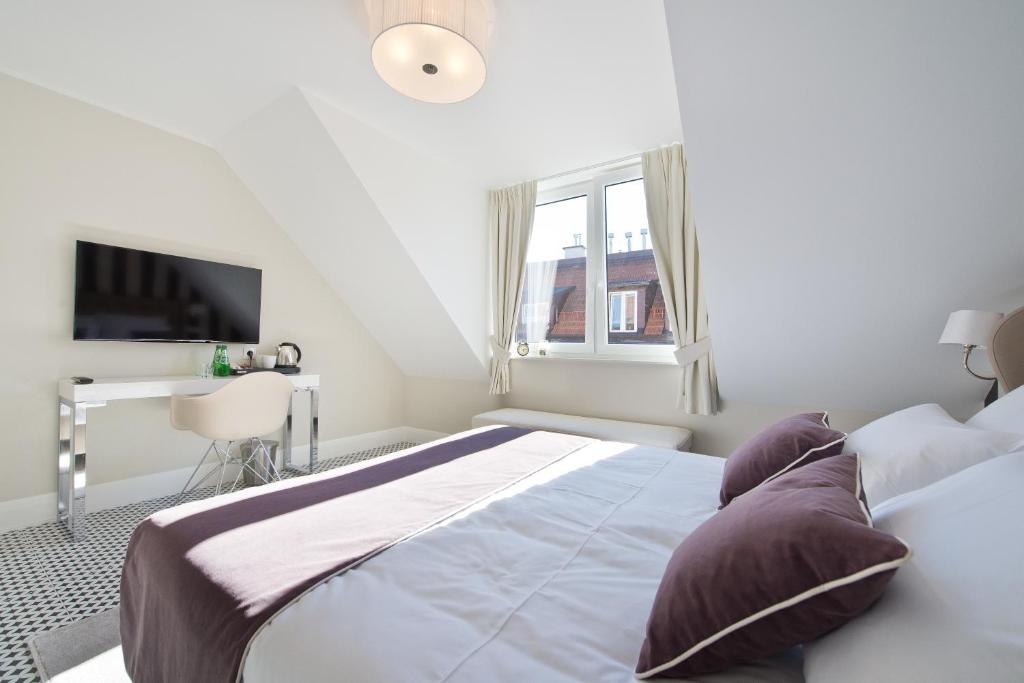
{"type": "Point", "coordinates": [266, 361]}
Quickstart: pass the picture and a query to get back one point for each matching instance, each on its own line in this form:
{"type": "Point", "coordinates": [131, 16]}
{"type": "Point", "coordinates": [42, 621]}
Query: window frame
{"type": "Point", "coordinates": [596, 345]}
{"type": "Point", "coordinates": [561, 194]}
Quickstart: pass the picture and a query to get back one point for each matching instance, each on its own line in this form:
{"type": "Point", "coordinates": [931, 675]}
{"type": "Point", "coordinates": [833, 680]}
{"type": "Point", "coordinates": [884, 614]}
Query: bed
{"type": "Point", "coordinates": [549, 580]}
{"type": "Point", "coordinates": [549, 576]}
{"type": "Point", "coordinates": [507, 554]}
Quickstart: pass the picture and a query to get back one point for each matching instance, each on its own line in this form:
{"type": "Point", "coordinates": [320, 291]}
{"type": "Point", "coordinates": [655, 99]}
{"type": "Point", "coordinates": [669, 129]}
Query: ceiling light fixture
{"type": "Point", "coordinates": [430, 50]}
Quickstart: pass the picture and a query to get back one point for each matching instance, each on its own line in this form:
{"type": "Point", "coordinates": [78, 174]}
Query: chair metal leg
{"type": "Point", "coordinates": [203, 478]}
{"type": "Point", "coordinates": [185, 489]}
{"type": "Point", "coordinates": [241, 470]}
{"type": "Point", "coordinates": [225, 458]}
{"type": "Point", "coordinates": [257, 445]}
{"type": "Point", "coordinates": [247, 463]}
{"type": "Point", "coordinates": [255, 449]}
{"type": "Point", "coordinates": [248, 466]}
{"type": "Point", "coordinates": [271, 465]}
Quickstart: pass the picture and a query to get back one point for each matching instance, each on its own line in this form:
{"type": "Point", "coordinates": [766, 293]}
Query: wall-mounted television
{"type": "Point", "coordinates": [131, 295]}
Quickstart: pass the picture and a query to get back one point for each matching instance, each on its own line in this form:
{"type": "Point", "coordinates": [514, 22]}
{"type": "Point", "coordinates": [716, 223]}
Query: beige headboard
{"type": "Point", "coordinates": [1006, 352]}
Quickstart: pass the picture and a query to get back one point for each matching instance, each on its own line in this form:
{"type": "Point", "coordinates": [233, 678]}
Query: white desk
{"type": "Point", "coordinates": [74, 401]}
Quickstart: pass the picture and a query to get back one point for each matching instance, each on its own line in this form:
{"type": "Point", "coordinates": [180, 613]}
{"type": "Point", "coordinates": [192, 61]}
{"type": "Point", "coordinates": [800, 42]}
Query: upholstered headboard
{"type": "Point", "coordinates": [1006, 352]}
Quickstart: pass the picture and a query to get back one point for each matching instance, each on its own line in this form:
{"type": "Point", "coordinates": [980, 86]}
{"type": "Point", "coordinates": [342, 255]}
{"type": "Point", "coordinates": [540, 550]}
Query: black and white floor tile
{"type": "Point", "coordinates": [46, 581]}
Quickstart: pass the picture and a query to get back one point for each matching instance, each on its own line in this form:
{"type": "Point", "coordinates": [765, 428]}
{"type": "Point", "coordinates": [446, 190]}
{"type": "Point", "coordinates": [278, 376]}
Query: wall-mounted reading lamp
{"type": "Point", "coordinates": [971, 330]}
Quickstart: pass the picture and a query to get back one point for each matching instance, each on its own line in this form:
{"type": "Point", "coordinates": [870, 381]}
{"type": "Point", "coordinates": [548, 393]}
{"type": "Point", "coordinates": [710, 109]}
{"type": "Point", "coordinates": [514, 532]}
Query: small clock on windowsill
{"type": "Point", "coordinates": [523, 349]}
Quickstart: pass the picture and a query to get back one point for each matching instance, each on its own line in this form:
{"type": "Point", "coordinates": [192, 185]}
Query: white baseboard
{"type": "Point", "coordinates": [361, 442]}
{"type": "Point", "coordinates": [23, 512]}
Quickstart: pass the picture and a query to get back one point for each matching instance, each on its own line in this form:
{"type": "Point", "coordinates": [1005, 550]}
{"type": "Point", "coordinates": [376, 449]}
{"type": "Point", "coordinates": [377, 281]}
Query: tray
{"type": "Point", "coordinates": [284, 370]}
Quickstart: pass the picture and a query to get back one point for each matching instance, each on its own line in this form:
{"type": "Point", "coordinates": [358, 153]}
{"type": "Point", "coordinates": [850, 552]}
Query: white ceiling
{"type": "Point", "coordinates": [570, 83]}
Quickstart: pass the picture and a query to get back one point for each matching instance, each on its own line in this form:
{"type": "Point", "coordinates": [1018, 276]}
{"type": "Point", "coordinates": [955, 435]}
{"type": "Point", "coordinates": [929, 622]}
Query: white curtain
{"type": "Point", "coordinates": [538, 292]}
{"type": "Point", "coordinates": [511, 221]}
{"type": "Point", "coordinates": [674, 239]}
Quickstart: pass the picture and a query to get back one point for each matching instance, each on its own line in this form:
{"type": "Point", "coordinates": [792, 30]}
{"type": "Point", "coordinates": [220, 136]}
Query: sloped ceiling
{"type": "Point", "coordinates": [385, 195]}
{"type": "Point", "coordinates": [857, 171]}
{"type": "Point", "coordinates": [287, 157]}
{"type": "Point", "coordinates": [569, 83]}
{"type": "Point", "coordinates": [437, 212]}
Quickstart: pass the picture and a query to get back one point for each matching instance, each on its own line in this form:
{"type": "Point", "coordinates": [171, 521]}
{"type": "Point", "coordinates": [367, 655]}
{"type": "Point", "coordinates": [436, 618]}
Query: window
{"type": "Point", "coordinates": [592, 286]}
{"type": "Point", "coordinates": [554, 304]}
{"type": "Point", "coordinates": [631, 274]}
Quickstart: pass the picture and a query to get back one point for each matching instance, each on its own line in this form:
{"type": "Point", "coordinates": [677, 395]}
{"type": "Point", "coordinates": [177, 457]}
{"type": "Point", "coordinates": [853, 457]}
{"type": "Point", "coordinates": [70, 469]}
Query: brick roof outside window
{"type": "Point", "coordinates": [627, 271]}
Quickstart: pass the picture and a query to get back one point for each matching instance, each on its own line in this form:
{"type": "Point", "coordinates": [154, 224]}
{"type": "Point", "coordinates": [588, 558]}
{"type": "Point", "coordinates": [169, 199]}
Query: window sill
{"type": "Point", "coordinates": [593, 358]}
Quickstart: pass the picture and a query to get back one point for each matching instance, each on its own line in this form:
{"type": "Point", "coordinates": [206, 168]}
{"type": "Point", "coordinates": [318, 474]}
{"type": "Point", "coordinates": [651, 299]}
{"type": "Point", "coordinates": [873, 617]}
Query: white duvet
{"type": "Point", "coordinates": [551, 580]}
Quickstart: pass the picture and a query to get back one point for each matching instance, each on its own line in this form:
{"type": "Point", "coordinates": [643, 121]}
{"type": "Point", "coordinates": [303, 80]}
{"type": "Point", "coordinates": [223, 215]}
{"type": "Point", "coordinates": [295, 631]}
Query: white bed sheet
{"type": "Point", "coordinates": [551, 580]}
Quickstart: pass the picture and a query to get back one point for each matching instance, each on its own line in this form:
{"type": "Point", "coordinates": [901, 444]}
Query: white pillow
{"type": "Point", "coordinates": [1005, 415]}
{"type": "Point", "coordinates": [953, 612]}
{"type": "Point", "coordinates": [917, 446]}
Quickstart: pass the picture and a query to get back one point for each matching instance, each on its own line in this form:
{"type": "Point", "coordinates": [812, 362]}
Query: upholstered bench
{"type": "Point", "coordinates": [676, 438]}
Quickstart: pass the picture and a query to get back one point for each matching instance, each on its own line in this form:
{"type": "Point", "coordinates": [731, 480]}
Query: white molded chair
{"type": "Point", "coordinates": [244, 409]}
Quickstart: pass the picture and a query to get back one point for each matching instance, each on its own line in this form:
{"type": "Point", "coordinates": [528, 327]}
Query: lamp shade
{"type": "Point", "coordinates": [970, 328]}
{"type": "Point", "coordinates": [430, 50]}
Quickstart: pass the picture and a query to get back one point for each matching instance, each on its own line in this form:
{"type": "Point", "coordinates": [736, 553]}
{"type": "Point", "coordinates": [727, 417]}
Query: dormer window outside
{"type": "Point", "coordinates": [622, 311]}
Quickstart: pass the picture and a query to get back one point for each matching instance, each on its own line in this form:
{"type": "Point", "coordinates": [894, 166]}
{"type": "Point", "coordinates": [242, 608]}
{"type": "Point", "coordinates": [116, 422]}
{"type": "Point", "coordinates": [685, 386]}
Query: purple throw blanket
{"type": "Point", "coordinates": [200, 580]}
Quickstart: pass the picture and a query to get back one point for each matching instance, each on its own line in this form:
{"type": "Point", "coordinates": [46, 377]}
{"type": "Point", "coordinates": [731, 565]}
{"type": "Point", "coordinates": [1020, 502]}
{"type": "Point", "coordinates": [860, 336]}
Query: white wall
{"type": "Point", "coordinates": [69, 171]}
{"type": "Point", "coordinates": [446, 405]}
{"type": "Point", "coordinates": [646, 392]}
{"type": "Point", "coordinates": [856, 169]}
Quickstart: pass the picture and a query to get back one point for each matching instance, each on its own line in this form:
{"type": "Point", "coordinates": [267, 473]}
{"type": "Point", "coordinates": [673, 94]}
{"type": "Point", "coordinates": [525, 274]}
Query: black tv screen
{"type": "Point", "coordinates": [131, 295]}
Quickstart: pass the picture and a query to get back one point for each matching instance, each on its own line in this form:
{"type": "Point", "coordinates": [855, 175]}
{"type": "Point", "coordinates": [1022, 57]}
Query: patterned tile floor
{"type": "Point", "coordinates": [46, 581]}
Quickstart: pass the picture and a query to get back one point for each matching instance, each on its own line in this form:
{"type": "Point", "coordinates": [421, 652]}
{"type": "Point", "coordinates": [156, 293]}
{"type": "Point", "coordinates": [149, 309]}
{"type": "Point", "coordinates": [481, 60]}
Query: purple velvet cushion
{"type": "Point", "coordinates": [790, 561]}
{"type": "Point", "coordinates": [793, 442]}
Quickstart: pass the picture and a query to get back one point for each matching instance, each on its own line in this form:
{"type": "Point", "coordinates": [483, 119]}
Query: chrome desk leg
{"type": "Point", "coordinates": [65, 428]}
{"type": "Point", "coordinates": [76, 505]}
{"type": "Point", "coordinates": [71, 456]}
{"type": "Point", "coordinates": [286, 440]}
{"type": "Point", "coordinates": [314, 427]}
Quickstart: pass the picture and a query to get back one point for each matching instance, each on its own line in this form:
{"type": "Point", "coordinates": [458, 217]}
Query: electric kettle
{"type": "Point", "coordinates": [288, 355]}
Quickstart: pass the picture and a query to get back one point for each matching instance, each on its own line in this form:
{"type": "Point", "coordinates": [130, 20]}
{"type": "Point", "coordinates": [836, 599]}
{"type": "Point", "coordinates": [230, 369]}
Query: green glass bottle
{"type": "Point", "coordinates": [221, 364]}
